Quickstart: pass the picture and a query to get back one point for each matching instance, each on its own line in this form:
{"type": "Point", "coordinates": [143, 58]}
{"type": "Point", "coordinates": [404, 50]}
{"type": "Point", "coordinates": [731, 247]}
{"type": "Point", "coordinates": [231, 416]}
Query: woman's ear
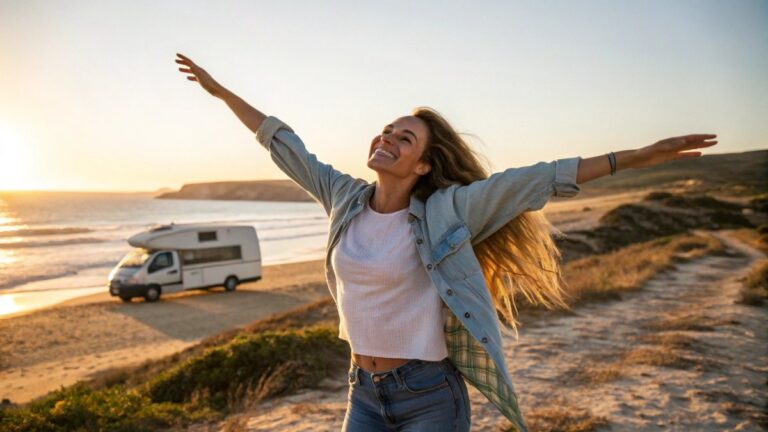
{"type": "Point", "coordinates": [423, 169]}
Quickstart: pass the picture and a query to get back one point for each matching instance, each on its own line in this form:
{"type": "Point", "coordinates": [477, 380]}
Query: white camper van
{"type": "Point", "coordinates": [177, 257]}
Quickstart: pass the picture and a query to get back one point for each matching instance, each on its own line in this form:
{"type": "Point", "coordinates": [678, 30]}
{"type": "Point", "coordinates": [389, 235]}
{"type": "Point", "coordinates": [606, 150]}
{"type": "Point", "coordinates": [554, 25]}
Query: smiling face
{"type": "Point", "coordinates": [396, 151]}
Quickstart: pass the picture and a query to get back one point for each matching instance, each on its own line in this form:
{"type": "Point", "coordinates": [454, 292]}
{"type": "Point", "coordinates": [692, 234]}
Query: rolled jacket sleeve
{"type": "Point", "coordinates": [487, 205]}
{"type": "Point", "coordinates": [323, 182]}
{"type": "Point", "coordinates": [267, 130]}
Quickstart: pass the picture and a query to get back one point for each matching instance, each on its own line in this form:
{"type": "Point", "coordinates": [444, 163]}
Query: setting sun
{"type": "Point", "coordinates": [15, 161]}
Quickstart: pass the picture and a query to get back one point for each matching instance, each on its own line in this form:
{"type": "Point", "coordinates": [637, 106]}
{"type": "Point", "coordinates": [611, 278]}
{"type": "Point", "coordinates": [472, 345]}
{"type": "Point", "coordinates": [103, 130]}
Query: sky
{"type": "Point", "coordinates": [92, 100]}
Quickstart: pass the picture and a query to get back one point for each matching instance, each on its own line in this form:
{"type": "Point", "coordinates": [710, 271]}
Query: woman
{"type": "Point", "coordinates": [420, 261]}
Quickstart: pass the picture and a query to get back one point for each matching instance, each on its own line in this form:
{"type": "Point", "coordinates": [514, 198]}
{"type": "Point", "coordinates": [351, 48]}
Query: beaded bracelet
{"type": "Point", "coordinates": [612, 162]}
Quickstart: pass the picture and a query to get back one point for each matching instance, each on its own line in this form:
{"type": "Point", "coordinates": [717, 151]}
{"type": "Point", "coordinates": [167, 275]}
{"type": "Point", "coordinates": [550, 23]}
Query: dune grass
{"type": "Point", "coordinates": [605, 277]}
{"type": "Point", "coordinates": [562, 416]}
{"type": "Point", "coordinates": [754, 291]}
{"type": "Point", "coordinates": [757, 238]}
{"type": "Point", "coordinates": [204, 387]}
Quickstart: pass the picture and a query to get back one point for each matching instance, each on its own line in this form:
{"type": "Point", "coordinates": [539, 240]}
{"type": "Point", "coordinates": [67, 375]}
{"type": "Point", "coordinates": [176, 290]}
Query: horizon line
{"type": "Point", "coordinates": [164, 189]}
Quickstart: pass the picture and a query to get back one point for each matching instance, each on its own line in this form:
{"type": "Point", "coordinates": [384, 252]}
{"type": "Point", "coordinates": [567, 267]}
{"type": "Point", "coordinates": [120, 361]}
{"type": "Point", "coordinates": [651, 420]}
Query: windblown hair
{"type": "Point", "coordinates": [520, 259]}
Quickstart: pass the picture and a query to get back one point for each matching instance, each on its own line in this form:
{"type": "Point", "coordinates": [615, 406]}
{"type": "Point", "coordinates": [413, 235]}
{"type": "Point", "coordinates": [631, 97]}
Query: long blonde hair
{"type": "Point", "coordinates": [520, 259]}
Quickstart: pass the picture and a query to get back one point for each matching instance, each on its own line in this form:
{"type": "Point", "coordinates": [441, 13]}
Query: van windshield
{"type": "Point", "coordinates": [135, 258]}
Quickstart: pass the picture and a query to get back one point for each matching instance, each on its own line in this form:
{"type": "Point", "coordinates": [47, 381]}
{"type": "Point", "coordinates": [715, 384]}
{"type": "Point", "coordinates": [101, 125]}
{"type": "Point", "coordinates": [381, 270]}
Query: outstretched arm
{"type": "Point", "coordinates": [663, 151]}
{"type": "Point", "coordinates": [324, 183]}
{"type": "Point", "coordinates": [487, 205]}
{"type": "Point", "coordinates": [250, 116]}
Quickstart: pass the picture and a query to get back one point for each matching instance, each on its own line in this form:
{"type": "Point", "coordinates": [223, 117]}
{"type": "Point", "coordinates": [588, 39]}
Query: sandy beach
{"type": "Point", "coordinates": [61, 345]}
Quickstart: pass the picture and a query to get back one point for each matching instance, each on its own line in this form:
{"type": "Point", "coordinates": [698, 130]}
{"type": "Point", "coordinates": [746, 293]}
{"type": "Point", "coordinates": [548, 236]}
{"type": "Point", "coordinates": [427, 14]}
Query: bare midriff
{"type": "Point", "coordinates": [377, 364]}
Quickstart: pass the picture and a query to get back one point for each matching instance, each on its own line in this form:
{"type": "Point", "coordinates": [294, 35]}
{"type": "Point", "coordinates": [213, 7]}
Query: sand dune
{"type": "Point", "coordinates": [678, 354]}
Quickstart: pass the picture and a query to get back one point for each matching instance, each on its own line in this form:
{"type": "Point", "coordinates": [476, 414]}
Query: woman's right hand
{"type": "Point", "coordinates": [200, 75]}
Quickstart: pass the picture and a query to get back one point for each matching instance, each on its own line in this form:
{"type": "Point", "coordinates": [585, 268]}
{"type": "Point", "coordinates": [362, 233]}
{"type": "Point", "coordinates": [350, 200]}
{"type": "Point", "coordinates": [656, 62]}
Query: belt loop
{"type": "Point", "coordinates": [398, 379]}
{"type": "Point", "coordinates": [356, 370]}
{"type": "Point", "coordinates": [445, 365]}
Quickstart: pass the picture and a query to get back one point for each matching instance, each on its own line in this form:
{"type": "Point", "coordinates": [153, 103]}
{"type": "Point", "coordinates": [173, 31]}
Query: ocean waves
{"type": "Point", "coordinates": [49, 243]}
{"type": "Point", "coordinates": [29, 232]}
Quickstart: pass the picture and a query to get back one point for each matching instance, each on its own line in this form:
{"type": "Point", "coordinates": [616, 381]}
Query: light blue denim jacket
{"type": "Point", "coordinates": [445, 228]}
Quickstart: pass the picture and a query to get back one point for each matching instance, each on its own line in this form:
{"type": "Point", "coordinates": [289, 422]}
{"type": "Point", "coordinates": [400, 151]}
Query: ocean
{"type": "Point", "coordinates": [71, 240]}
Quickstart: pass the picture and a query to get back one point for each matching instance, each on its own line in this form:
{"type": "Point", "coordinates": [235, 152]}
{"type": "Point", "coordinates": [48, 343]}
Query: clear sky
{"type": "Point", "coordinates": [91, 99]}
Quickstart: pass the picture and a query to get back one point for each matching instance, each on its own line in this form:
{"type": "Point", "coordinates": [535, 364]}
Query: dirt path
{"type": "Point", "coordinates": [677, 355]}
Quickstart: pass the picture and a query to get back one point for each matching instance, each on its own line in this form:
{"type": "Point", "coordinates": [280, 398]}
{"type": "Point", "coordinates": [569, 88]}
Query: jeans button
{"type": "Point", "coordinates": [466, 314]}
{"type": "Point", "coordinates": [449, 292]}
{"type": "Point", "coordinates": [429, 266]}
{"type": "Point", "coordinates": [419, 241]}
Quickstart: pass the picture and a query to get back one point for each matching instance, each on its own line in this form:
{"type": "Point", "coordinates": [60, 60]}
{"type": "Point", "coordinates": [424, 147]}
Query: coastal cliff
{"type": "Point", "coordinates": [259, 190]}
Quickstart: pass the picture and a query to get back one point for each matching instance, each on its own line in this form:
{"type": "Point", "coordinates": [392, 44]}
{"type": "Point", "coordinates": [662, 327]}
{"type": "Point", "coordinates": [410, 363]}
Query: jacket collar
{"type": "Point", "coordinates": [416, 206]}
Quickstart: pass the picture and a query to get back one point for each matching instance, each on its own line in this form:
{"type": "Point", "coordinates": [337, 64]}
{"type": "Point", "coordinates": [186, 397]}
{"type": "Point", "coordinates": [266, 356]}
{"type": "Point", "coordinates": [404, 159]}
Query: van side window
{"type": "Point", "coordinates": [161, 261]}
{"type": "Point", "coordinates": [206, 236]}
{"type": "Point", "coordinates": [224, 253]}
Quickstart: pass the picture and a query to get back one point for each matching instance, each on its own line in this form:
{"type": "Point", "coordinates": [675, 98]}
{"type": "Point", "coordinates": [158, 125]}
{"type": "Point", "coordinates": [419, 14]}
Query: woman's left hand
{"type": "Point", "coordinates": [671, 149]}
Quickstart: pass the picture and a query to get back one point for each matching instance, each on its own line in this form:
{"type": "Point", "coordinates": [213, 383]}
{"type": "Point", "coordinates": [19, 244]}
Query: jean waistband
{"type": "Point", "coordinates": [445, 364]}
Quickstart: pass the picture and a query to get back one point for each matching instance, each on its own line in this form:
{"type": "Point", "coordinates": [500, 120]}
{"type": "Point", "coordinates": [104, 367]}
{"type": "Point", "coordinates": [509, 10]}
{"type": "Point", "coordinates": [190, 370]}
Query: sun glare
{"type": "Point", "coordinates": [15, 161]}
{"type": "Point", "coordinates": [8, 305]}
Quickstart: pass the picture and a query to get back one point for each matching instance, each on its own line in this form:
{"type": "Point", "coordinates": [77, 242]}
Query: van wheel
{"type": "Point", "coordinates": [231, 283]}
{"type": "Point", "coordinates": [152, 294]}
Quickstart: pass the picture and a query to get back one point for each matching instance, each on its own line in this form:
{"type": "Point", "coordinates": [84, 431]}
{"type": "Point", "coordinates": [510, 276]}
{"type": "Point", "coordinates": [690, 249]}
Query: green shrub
{"type": "Point", "coordinates": [252, 363]}
{"type": "Point", "coordinates": [78, 408]}
{"type": "Point", "coordinates": [203, 387]}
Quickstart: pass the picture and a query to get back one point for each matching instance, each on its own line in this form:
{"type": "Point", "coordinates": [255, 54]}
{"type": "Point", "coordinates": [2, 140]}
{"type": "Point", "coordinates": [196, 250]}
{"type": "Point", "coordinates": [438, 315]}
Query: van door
{"type": "Point", "coordinates": [164, 271]}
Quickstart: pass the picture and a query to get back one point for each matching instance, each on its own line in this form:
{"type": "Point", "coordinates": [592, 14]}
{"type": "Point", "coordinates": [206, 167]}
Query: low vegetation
{"type": "Point", "coordinates": [562, 416]}
{"type": "Point", "coordinates": [666, 345]}
{"type": "Point", "coordinates": [604, 277]}
{"type": "Point", "coordinates": [658, 214]}
{"type": "Point", "coordinates": [204, 387]}
{"type": "Point", "coordinates": [754, 290]}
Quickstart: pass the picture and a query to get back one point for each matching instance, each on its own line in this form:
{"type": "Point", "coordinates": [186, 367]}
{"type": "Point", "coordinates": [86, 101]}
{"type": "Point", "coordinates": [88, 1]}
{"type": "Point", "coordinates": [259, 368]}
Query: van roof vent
{"type": "Point", "coordinates": [162, 228]}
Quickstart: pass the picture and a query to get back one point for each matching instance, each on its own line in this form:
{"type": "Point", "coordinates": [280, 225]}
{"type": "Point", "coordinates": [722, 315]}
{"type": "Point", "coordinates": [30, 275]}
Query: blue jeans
{"type": "Point", "coordinates": [418, 396]}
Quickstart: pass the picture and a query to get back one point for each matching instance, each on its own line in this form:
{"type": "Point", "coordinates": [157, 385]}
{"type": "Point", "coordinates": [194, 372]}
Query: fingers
{"type": "Point", "coordinates": [191, 67]}
{"type": "Point", "coordinates": [698, 141]}
{"type": "Point", "coordinates": [183, 60]}
{"type": "Point", "coordinates": [686, 155]}
{"type": "Point", "coordinates": [688, 142]}
{"type": "Point", "coordinates": [695, 137]}
{"type": "Point", "coordinates": [193, 76]}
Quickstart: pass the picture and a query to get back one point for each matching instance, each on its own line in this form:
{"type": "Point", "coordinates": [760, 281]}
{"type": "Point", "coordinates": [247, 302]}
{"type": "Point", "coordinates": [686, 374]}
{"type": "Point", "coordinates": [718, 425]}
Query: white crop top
{"type": "Point", "coordinates": [388, 306]}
